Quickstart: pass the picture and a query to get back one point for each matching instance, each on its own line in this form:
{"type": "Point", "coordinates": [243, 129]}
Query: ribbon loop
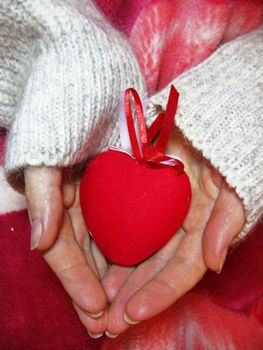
{"type": "Point", "coordinates": [142, 142]}
{"type": "Point", "coordinates": [168, 119]}
{"type": "Point", "coordinates": [139, 152]}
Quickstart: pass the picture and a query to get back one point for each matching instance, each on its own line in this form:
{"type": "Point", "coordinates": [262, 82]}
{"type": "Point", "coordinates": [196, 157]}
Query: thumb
{"type": "Point", "coordinates": [45, 205]}
{"type": "Point", "coordinates": [224, 225]}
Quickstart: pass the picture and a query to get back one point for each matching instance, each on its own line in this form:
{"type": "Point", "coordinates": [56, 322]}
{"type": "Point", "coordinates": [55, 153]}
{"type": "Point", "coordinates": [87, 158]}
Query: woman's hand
{"type": "Point", "coordinates": [59, 231]}
{"type": "Point", "coordinates": [215, 218]}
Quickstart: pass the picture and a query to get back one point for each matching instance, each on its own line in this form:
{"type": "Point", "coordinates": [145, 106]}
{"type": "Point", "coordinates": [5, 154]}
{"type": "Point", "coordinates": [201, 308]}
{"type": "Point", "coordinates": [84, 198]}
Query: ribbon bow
{"type": "Point", "coordinates": [141, 142]}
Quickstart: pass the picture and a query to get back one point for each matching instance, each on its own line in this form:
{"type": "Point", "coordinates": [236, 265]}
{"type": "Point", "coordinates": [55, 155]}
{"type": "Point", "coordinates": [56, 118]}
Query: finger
{"type": "Point", "coordinates": [80, 230]}
{"type": "Point", "coordinates": [82, 237]}
{"type": "Point", "coordinates": [143, 274]}
{"type": "Point", "coordinates": [94, 257]}
{"type": "Point", "coordinates": [68, 191]}
{"type": "Point", "coordinates": [79, 280]}
{"type": "Point", "coordinates": [43, 193]}
{"type": "Point", "coordinates": [173, 281]}
{"type": "Point", "coordinates": [95, 326]}
{"type": "Point", "coordinates": [114, 279]}
{"type": "Point", "coordinates": [225, 223]}
{"type": "Point", "coordinates": [99, 259]}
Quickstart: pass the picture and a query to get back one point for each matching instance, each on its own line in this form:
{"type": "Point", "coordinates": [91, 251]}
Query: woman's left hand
{"type": "Point", "coordinates": [215, 218]}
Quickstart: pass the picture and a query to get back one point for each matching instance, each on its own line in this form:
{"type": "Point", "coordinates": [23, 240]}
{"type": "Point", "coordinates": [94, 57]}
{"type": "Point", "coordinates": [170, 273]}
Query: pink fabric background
{"type": "Point", "coordinates": [36, 313]}
{"type": "Point", "coordinates": [223, 310]}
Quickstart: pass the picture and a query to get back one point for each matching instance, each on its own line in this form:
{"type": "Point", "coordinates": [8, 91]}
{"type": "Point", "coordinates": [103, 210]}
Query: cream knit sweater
{"type": "Point", "coordinates": [62, 69]}
{"type": "Point", "coordinates": [221, 113]}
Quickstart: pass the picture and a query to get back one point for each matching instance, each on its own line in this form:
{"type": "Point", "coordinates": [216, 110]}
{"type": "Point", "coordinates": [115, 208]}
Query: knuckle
{"type": "Point", "coordinates": [188, 265]}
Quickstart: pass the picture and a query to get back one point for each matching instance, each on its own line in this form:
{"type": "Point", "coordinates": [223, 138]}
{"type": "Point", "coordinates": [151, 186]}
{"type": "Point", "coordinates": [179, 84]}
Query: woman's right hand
{"type": "Point", "coordinates": [59, 231]}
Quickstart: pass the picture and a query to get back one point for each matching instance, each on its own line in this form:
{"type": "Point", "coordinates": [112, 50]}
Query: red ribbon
{"type": "Point", "coordinates": [163, 125]}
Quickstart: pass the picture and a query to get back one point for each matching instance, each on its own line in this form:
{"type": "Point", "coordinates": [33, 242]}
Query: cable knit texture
{"type": "Point", "coordinates": [221, 113]}
{"type": "Point", "coordinates": [71, 67]}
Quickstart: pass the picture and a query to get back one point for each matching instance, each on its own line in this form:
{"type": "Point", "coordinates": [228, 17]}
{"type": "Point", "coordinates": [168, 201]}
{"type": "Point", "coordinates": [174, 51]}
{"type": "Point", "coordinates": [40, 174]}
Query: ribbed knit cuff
{"type": "Point", "coordinates": [221, 113]}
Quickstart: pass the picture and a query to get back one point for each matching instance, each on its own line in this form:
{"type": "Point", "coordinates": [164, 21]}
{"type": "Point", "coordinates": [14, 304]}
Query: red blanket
{"type": "Point", "coordinates": [223, 311]}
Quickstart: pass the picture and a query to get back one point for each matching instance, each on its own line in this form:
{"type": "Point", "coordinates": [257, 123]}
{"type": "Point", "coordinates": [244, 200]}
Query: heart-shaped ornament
{"type": "Point", "coordinates": [132, 208]}
{"type": "Point", "coordinates": [133, 204]}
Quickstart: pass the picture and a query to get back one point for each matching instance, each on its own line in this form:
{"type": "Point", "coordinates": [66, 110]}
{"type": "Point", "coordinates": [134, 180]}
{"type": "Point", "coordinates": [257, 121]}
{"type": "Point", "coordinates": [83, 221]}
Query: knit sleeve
{"type": "Point", "coordinates": [62, 70]}
{"type": "Point", "coordinates": [221, 113]}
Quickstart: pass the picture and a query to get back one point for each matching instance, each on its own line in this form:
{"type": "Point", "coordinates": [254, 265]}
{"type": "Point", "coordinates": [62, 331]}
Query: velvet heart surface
{"type": "Point", "coordinates": [132, 208]}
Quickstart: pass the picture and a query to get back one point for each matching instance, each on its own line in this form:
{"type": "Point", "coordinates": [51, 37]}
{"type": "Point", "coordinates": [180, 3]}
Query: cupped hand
{"type": "Point", "coordinates": [59, 231]}
{"type": "Point", "coordinates": [215, 218]}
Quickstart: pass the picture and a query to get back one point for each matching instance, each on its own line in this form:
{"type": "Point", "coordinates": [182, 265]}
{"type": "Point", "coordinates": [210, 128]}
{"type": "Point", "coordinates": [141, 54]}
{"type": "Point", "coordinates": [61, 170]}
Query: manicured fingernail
{"type": "Point", "coordinates": [29, 216]}
{"type": "Point", "coordinates": [36, 232]}
{"type": "Point", "coordinates": [129, 321]}
{"type": "Point", "coordinates": [222, 260]}
{"type": "Point", "coordinates": [95, 335]}
{"type": "Point", "coordinates": [110, 335]}
{"type": "Point", "coordinates": [97, 315]}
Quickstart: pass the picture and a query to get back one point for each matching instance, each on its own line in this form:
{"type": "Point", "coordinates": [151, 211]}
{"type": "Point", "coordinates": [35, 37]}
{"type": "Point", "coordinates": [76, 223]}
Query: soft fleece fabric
{"type": "Point", "coordinates": [37, 314]}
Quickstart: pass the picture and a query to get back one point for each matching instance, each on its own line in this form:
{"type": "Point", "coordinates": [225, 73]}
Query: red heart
{"type": "Point", "coordinates": [132, 208]}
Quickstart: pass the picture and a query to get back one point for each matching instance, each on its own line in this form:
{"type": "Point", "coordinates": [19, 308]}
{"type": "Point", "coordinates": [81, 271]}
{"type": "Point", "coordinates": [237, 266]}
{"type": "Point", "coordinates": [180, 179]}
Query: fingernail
{"type": "Point", "coordinates": [29, 216]}
{"type": "Point", "coordinates": [129, 321]}
{"type": "Point", "coordinates": [110, 335]}
{"type": "Point", "coordinates": [95, 335]}
{"type": "Point", "coordinates": [36, 232]}
{"type": "Point", "coordinates": [222, 260]}
{"type": "Point", "coordinates": [97, 315]}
